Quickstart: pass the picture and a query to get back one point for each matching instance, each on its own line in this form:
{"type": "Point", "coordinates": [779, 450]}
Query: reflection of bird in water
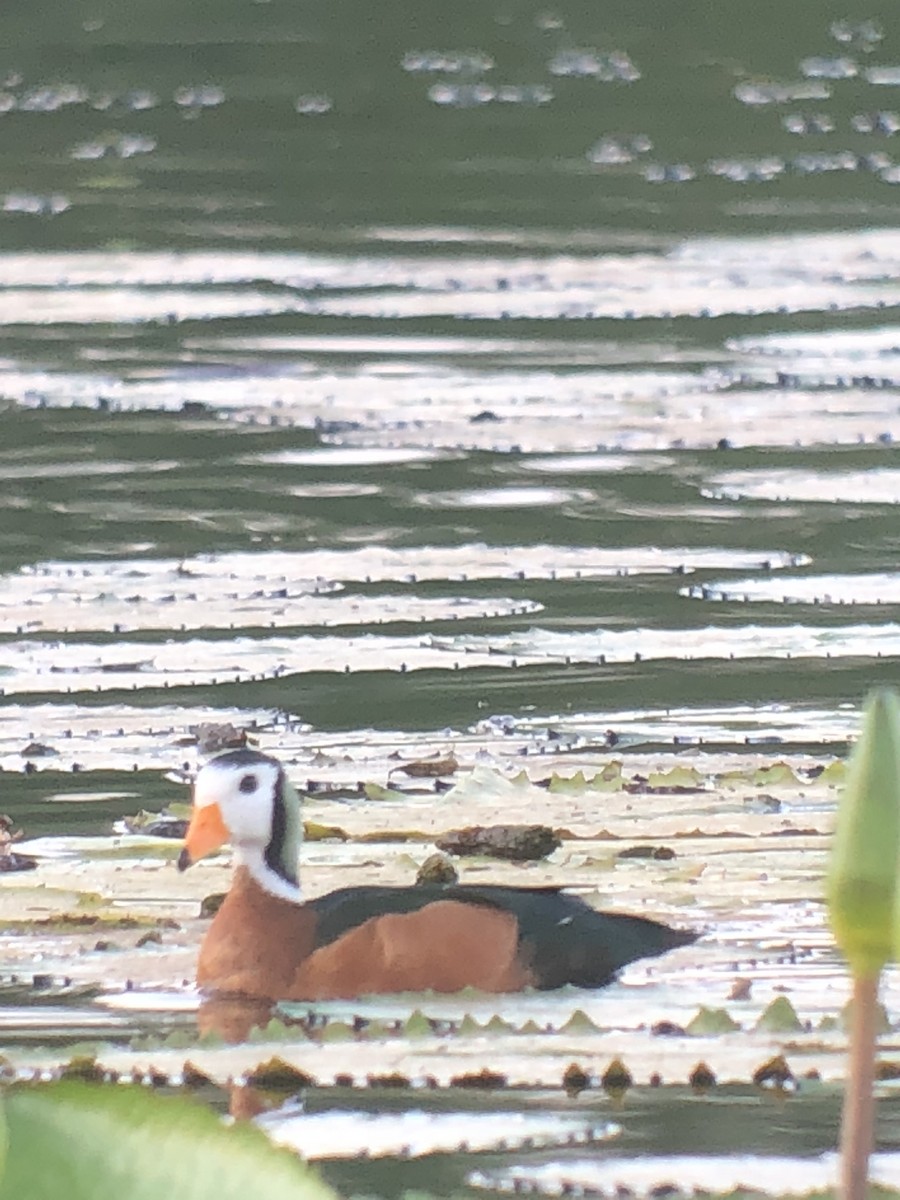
{"type": "Point", "coordinates": [267, 944]}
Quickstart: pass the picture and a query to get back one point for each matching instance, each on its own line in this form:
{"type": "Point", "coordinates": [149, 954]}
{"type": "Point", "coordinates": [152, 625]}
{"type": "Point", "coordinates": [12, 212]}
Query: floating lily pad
{"type": "Point", "coordinates": [876, 486]}
{"type": "Point", "coordinates": [873, 588]}
{"type": "Point", "coordinates": [206, 580]}
{"type": "Point", "coordinates": [651, 1175]}
{"type": "Point", "coordinates": [726, 643]}
{"type": "Point", "coordinates": [39, 667]}
{"type": "Point", "coordinates": [119, 736]}
{"type": "Point", "coordinates": [343, 1134]}
{"type": "Point", "coordinates": [128, 597]}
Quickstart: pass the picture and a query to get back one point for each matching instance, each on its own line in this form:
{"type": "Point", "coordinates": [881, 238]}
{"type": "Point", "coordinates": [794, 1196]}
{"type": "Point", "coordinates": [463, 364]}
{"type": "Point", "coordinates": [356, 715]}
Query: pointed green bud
{"type": "Point", "coordinates": [862, 889]}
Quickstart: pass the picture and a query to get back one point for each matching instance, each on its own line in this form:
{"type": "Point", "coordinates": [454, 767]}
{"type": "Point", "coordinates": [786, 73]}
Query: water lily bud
{"type": "Point", "coordinates": [862, 887]}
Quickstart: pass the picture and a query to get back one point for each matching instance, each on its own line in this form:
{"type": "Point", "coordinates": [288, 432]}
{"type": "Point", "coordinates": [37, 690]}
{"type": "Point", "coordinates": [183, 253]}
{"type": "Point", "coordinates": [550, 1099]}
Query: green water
{"type": "Point", "coordinates": [253, 172]}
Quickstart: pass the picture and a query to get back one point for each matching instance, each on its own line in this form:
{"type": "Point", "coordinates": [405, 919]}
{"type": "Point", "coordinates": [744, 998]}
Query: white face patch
{"type": "Point", "coordinates": [244, 792]}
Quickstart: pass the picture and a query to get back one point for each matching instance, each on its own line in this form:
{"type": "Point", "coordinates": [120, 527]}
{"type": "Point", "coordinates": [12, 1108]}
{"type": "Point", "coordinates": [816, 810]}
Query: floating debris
{"type": "Point", "coordinates": [13, 860]}
{"type": "Point", "coordinates": [775, 1074]}
{"type": "Point", "coordinates": [429, 768]}
{"type": "Point", "coordinates": [616, 1078]}
{"type": "Point", "coordinates": [485, 1079]}
{"type": "Point", "coordinates": [278, 1075]}
{"type": "Point", "coordinates": [702, 1078]}
{"type": "Point", "coordinates": [517, 843]}
{"type": "Point", "coordinates": [437, 868]}
{"type": "Point", "coordinates": [575, 1079]}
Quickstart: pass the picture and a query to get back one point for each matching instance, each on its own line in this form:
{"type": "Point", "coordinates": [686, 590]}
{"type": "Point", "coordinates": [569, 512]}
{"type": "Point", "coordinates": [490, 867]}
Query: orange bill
{"type": "Point", "coordinates": [206, 833]}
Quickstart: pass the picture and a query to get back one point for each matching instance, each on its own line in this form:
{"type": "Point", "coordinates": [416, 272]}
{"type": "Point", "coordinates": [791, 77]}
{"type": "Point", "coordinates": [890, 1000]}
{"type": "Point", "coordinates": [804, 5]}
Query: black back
{"type": "Point", "coordinates": [561, 938]}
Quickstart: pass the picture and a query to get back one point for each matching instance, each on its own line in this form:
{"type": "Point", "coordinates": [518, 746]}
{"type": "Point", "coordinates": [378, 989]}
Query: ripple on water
{"type": "Point", "coordinates": [15, 465]}
{"type": "Point", "coordinates": [347, 456]}
{"type": "Point", "coordinates": [504, 497]}
{"type": "Point", "coordinates": [594, 464]}
{"type": "Point", "coordinates": [758, 93]}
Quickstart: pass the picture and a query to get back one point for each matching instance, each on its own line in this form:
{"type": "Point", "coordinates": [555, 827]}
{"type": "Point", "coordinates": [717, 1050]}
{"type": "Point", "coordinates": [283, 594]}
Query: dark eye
{"type": "Point", "coordinates": [248, 784]}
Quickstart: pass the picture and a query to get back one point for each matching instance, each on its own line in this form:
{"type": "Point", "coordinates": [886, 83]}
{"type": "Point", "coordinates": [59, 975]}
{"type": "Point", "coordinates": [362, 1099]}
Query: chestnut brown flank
{"type": "Point", "coordinates": [260, 945]}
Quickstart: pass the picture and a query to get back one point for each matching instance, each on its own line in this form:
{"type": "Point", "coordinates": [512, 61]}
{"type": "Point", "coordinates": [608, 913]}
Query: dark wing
{"type": "Point", "coordinates": [561, 938]}
{"type": "Point", "coordinates": [573, 943]}
{"type": "Point", "coordinates": [342, 910]}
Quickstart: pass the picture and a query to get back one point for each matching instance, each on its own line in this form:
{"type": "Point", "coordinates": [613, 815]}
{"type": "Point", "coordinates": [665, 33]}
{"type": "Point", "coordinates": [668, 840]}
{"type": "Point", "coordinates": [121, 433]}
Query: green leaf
{"type": "Point", "coordinates": [775, 775]}
{"type": "Point", "coordinates": [276, 1030]}
{"type": "Point", "coordinates": [530, 1027]}
{"type": "Point", "coordinates": [834, 774]}
{"type": "Point", "coordinates": [609, 779]}
{"type": "Point", "coordinates": [85, 1142]}
{"type": "Point", "coordinates": [314, 831]}
{"type": "Point", "coordinates": [708, 1021]}
{"type": "Point", "coordinates": [779, 1017]}
{"type": "Point", "coordinates": [564, 785]}
{"type": "Point", "coordinates": [179, 808]}
{"type": "Point", "coordinates": [417, 1025]}
{"type": "Point", "coordinates": [337, 1031]}
{"type": "Point", "coordinates": [734, 778]}
{"type": "Point", "coordinates": [862, 878]}
{"type": "Point", "coordinates": [579, 1023]}
{"type": "Point", "coordinates": [375, 791]}
{"type": "Point", "coordinates": [678, 777]}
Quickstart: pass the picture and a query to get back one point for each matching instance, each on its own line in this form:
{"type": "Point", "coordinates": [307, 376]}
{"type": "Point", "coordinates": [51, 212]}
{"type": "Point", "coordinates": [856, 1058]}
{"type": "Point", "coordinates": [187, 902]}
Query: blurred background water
{"type": "Point", "coordinates": [300, 277]}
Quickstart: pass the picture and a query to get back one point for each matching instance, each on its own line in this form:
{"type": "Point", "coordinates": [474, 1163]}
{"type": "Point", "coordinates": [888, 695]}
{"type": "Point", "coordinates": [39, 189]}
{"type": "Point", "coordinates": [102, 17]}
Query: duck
{"type": "Point", "coordinates": [268, 942]}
